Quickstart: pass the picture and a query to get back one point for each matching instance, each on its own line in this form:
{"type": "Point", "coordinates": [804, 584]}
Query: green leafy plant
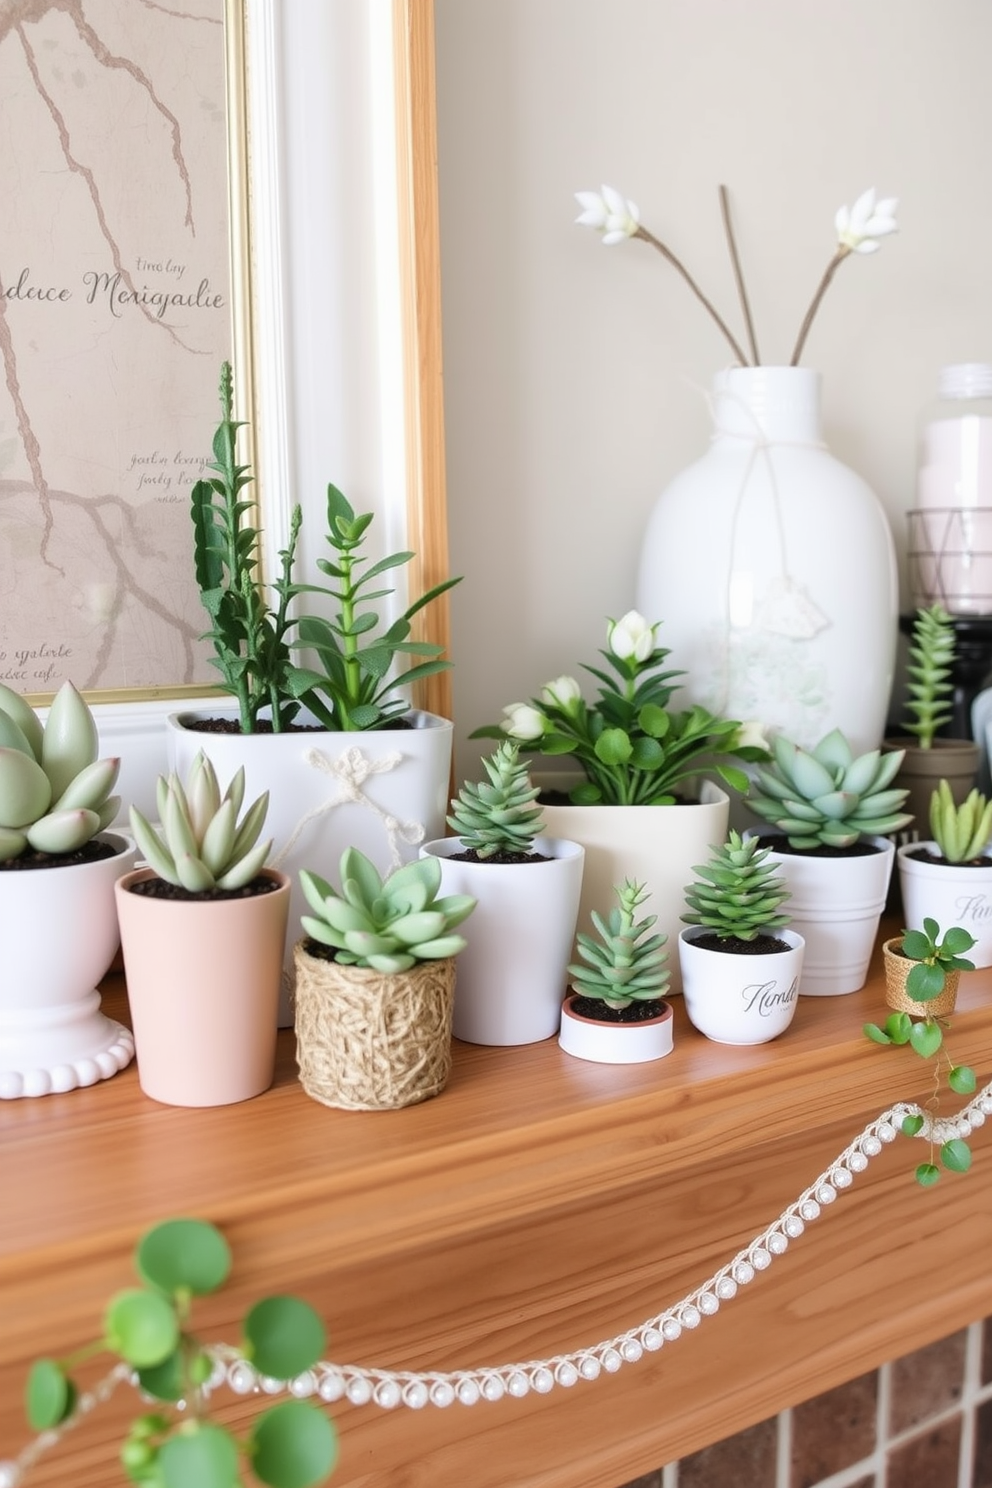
{"type": "Point", "coordinates": [389, 923]}
{"type": "Point", "coordinates": [290, 1445]}
{"type": "Point", "coordinates": [928, 670]}
{"type": "Point", "coordinates": [826, 797]}
{"type": "Point", "coordinates": [500, 816]}
{"type": "Point", "coordinates": [202, 845]}
{"type": "Point", "coordinates": [737, 894]}
{"type": "Point", "coordinates": [633, 749]}
{"type": "Point", "coordinates": [933, 958]}
{"type": "Point", "coordinates": [54, 792]}
{"type": "Point", "coordinates": [625, 964]}
{"type": "Point", "coordinates": [961, 832]}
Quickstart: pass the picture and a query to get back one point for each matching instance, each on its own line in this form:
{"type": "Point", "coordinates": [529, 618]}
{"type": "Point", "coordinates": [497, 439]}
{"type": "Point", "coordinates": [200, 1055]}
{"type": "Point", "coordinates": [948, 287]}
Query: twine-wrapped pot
{"type": "Point", "coordinates": [897, 969]}
{"type": "Point", "coordinates": [372, 1041]}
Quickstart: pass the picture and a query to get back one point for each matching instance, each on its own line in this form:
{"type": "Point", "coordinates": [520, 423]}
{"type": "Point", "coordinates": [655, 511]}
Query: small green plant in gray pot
{"type": "Point", "coordinates": [616, 1011]}
{"type": "Point", "coordinates": [741, 964]}
{"type": "Point", "coordinates": [949, 876]}
{"type": "Point", "coordinates": [512, 975]}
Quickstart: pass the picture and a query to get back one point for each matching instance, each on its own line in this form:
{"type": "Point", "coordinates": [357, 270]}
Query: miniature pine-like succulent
{"type": "Point", "coordinates": [737, 893]}
{"type": "Point", "coordinates": [498, 817]}
{"type": "Point", "coordinates": [54, 792]}
{"type": "Point", "coordinates": [385, 924]}
{"type": "Point", "coordinates": [626, 964]}
{"type": "Point", "coordinates": [961, 832]}
{"type": "Point", "coordinates": [827, 797]}
{"type": "Point", "coordinates": [202, 845]}
{"type": "Point", "coordinates": [928, 670]}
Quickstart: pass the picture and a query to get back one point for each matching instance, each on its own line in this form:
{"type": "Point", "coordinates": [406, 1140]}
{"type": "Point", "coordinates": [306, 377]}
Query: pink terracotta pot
{"type": "Point", "coordinates": [203, 984]}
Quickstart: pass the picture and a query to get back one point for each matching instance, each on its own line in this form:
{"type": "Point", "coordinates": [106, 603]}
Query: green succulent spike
{"type": "Point", "coordinates": [498, 817]}
{"type": "Point", "coordinates": [737, 893]}
{"type": "Point", "coordinates": [928, 669]}
{"type": "Point", "coordinates": [386, 924]}
{"type": "Point", "coordinates": [201, 844]}
{"type": "Point", "coordinates": [54, 792]}
{"type": "Point", "coordinates": [827, 797]}
{"type": "Point", "coordinates": [626, 964]}
{"type": "Point", "coordinates": [961, 832]}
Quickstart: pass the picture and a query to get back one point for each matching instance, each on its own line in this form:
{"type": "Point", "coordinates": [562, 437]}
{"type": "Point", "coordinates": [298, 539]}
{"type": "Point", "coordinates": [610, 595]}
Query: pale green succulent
{"type": "Point", "coordinates": [385, 924]}
{"type": "Point", "coordinates": [54, 792]}
{"type": "Point", "coordinates": [928, 670]}
{"type": "Point", "coordinates": [961, 832]}
{"type": "Point", "coordinates": [201, 844]}
{"type": "Point", "coordinates": [826, 797]}
{"type": "Point", "coordinates": [737, 893]}
{"type": "Point", "coordinates": [626, 964]}
{"type": "Point", "coordinates": [498, 817]}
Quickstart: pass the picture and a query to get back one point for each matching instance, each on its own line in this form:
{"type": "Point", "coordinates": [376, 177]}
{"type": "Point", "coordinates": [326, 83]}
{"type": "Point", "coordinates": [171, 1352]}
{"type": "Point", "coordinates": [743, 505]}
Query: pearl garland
{"type": "Point", "coordinates": [389, 1389]}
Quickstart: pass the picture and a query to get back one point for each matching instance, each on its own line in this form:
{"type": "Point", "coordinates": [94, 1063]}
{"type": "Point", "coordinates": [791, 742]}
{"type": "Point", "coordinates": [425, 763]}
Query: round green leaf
{"type": "Point", "coordinates": [164, 1381]}
{"type": "Point", "coordinates": [911, 1125]}
{"type": "Point", "coordinates": [184, 1255]}
{"type": "Point", "coordinates": [924, 983]}
{"type": "Point", "coordinates": [958, 939]}
{"type": "Point", "coordinates": [293, 1445]}
{"type": "Point", "coordinates": [875, 1033]}
{"type": "Point", "coordinates": [49, 1395]}
{"type": "Point", "coordinates": [956, 1155]}
{"type": "Point", "coordinates": [284, 1336]}
{"type": "Point", "coordinates": [926, 1039]}
{"type": "Point", "coordinates": [613, 747]}
{"type": "Point", "coordinates": [961, 1079]}
{"type": "Point", "coordinates": [200, 1455]}
{"type": "Point", "coordinates": [141, 1326]}
{"type": "Point", "coordinates": [927, 1174]}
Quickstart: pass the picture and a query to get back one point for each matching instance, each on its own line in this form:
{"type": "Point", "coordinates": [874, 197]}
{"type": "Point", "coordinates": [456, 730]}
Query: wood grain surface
{"type": "Point", "coordinates": [538, 1205]}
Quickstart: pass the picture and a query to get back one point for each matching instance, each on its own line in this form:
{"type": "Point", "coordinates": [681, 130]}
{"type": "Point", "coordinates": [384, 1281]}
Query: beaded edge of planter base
{"type": "Point", "coordinates": [388, 1388]}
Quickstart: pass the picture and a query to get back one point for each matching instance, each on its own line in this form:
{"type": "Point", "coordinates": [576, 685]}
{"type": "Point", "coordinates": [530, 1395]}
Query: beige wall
{"type": "Point", "coordinates": [573, 372]}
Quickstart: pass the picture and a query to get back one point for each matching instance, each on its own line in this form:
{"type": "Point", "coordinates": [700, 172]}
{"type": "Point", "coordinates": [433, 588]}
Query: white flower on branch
{"type": "Point", "coordinates": [860, 228]}
{"type": "Point", "coordinates": [609, 213]}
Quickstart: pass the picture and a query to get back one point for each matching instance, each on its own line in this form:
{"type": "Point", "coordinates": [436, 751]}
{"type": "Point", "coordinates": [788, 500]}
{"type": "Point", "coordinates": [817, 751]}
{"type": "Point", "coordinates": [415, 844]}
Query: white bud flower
{"type": "Point", "coordinates": [564, 692]}
{"type": "Point", "coordinates": [631, 637]}
{"type": "Point", "coordinates": [608, 212]}
{"type": "Point", "coordinates": [522, 722]}
{"type": "Point", "coordinates": [868, 220]}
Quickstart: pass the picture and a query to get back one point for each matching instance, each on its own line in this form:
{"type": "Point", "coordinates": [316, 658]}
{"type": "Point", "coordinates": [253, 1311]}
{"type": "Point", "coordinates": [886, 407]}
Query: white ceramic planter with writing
{"type": "Point", "coordinates": [735, 999]}
{"type": "Point", "coordinates": [948, 893]}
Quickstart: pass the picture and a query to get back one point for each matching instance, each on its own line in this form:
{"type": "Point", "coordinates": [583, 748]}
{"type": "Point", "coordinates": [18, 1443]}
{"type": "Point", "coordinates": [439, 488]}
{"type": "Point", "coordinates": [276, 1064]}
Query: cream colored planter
{"type": "Point", "coordinates": [514, 968]}
{"type": "Point", "coordinates": [949, 894]}
{"type": "Point", "coordinates": [203, 982]}
{"type": "Point", "coordinates": [655, 845]}
{"type": "Point", "coordinates": [735, 999]}
{"type": "Point", "coordinates": [615, 1043]}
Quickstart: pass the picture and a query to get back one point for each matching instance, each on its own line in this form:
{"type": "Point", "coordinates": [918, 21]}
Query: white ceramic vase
{"type": "Point", "coordinates": [836, 905]}
{"type": "Point", "coordinates": [655, 845]}
{"type": "Point", "coordinates": [736, 999]}
{"type": "Point", "coordinates": [948, 893]}
{"type": "Point", "coordinates": [58, 928]}
{"type": "Point", "coordinates": [616, 1043]}
{"type": "Point", "coordinates": [773, 568]}
{"type": "Point", "coordinates": [512, 974]}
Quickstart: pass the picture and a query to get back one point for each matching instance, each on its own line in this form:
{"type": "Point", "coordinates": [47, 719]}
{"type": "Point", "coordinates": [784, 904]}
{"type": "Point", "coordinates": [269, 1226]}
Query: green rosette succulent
{"type": "Point", "coordinates": [201, 844]}
{"type": "Point", "coordinates": [961, 832]}
{"type": "Point", "coordinates": [928, 674]}
{"type": "Point", "coordinates": [498, 816]}
{"type": "Point", "coordinates": [737, 894]}
{"type": "Point", "coordinates": [385, 924]}
{"type": "Point", "coordinates": [54, 792]}
{"type": "Point", "coordinates": [826, 797]}
{"type": "Point", "coordinates": [625, 964]}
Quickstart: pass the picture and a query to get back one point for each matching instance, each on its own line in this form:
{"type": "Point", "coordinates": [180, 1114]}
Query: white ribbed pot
{"type": "Point", "coordinates": [836, 905]}
{"type": "Point", "coordinates": [58, 929]}
{"type": "Point", "coordinates": [384, 791]}
{"type": "Point", "coordinates": [948, 893]}
{"type": "Point", "coordinates": [615, 1043]}
{"type": "Point", "coordinates": [774, 569]}
{"type": "Point", "coordinates": [513, 971]}
{"type": "Point", "coordinates": [740, 999]}
{"type": "Point", "coordinates": [655, 845]}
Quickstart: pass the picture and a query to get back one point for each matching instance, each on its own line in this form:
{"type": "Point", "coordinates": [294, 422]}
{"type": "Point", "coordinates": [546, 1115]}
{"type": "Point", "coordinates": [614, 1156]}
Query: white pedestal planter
{"type": "Point", "coordinates": [58, 928]}
{"type": "Point", "coordinates": [949, 894]}
{"type": "Point", "coordinates": [736, 999]}
{"type": "Point", "coordinates": [616, 1043]}
{"type": "Point", "coordinates": [513, 971]}
{"type": "Point", "coordinates": [655, 845]}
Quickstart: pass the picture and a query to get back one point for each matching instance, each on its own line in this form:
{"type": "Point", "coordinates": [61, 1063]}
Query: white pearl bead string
{"type": "Point", "coordinates": [389, 1389]}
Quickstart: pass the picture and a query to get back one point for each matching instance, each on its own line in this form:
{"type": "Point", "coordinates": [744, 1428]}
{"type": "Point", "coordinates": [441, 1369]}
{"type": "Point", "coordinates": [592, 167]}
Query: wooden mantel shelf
{"type": "Point", "coordinates": [539, 1205]}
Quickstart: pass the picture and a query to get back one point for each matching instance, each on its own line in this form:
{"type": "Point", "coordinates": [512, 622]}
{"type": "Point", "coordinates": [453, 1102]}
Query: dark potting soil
{"type": "Point", "coordinates": [781, 845]}
{"type": "Point", "coordinates": [264, 726]}
{"type": "Point", "coordinates": [732, 945]}
{"type": "Point", "coordinates": [599, 1012]}
{"type": "Point", "coordinates": [157, 888]}
{"type": "Point", "coordinates": [471, 856]}
{"type": "Point", "coordinates": [924, 855]}
{"type": "Point", "coordinates": [319, 950]}
{"type": "Point", "coordinates": [93, 851]}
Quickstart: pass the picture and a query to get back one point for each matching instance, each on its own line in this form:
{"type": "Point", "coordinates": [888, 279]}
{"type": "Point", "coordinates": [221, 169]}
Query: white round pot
{"type": "Point", "coordinates": [949, 894]}
{"type": "Point", "coordinates": [836, 905]}
{"type": "Point", "coordinates": [615, 1043]}
{"type": "Point", "coordinates": [740, 999]}
{"type": "Point", "coordinates": [511, 976]}
{"type": "Point", "coordinates": [58, 928]}
{"type": "Point", "coordinates": [654, 845]}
